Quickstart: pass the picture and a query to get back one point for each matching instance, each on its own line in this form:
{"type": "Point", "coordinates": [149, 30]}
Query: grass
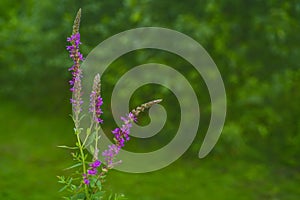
{"type": "Point", "coordinates": [30, 161]}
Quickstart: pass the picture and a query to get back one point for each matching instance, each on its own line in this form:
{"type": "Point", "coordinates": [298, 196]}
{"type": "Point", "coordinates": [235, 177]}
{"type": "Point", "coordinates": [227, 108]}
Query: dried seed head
{"type": "Point", "coordinates": [144, 106]}
{"type": "Point", "coordinates": [97, 84]}
{"type": "Point", "coordinates": [77, 22]}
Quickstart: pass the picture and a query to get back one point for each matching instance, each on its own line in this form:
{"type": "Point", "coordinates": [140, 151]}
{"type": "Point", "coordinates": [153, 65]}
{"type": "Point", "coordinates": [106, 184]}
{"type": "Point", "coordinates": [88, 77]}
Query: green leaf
{"type": "Point", "coordinates": [92, 149]}
{"type": "Point", "coordinates": [63, 188]}
{"type": "Point", "coordinates": [81, 117]}
{"type": "Point", "coordinates": [97, 195]}
{"type": "Point", "coordinates": [67, 147]}
{"type": "Point", "coordinates": [91, 139]}
{"type": "Point", "coordinates": [88, 131]}
{"type": "Point", "coordinates": [73, 166]}
{"type": "Point", "coordinates": [80, 196]}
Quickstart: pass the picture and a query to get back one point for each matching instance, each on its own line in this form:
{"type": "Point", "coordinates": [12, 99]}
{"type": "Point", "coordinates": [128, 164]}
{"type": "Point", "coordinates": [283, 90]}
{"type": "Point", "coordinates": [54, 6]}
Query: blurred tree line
{"type": "Point", "coordinates": [255, 45]}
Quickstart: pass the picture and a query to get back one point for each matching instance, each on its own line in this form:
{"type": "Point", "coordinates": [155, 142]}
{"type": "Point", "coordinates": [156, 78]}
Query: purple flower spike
{"type": "Point", "coordinates": [92, 171]}
{"type": "Point", "coordinates": [96, 101]}
{"type": "Point", "coordinates": [121, 135]}
{"type": "Point", "coordinates": [110, 154]}
{"type": "Point", "coordinates": [132, 117]}
{"type": "Point", "coordinates": [75, 82]}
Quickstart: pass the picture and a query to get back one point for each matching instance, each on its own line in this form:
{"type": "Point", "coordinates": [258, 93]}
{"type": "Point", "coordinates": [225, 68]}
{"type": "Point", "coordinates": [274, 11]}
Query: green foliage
{"type": "Point", "coordinates": [254, 44]}
{"type": "Point", "coordinates": [30, 161]}
{"type": "Point", "coordinates": [117, 197]}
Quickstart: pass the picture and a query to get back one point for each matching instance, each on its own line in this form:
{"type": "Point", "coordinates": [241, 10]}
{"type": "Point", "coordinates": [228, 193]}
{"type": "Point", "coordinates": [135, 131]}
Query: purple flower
{"type": "Point", "coordinates": [121, 135]}
{"type": "Point", "coordinates": [110, 154]}
{"type": "Point", "coordinates": [92, 171]}
{"type": "Point", "coordinates": [85, 179]}
{"type": "Point", "coordinates": [75, 82]}
{"type": "Point", "coordinates": [132, 117]}
{"type": "Point", "coordinates": [74, 51]}
{"type": "Point", "coordinates": [95, 164]}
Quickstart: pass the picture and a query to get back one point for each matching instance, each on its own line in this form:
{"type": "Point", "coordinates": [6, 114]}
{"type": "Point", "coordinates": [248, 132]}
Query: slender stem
{"type": "Point", "coordinates": [96, 142]}
{"type": "Point", "coordinates": [83, 162]}
{"type": "Point", "coordinates": [86, 138]}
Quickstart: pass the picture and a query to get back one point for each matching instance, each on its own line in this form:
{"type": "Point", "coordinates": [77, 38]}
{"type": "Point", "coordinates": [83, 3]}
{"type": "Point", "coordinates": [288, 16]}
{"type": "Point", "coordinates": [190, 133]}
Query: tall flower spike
{"type": "Point", "coordinates": [96, 100]}
{"type": "Point", "coordinates": [121, 135]}
{"type": "Point", "coordinates": [76, 56]}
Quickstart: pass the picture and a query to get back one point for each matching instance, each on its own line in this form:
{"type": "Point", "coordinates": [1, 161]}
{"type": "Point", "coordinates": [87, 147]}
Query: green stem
{"type": "Point", "coordinates": [83, 163]}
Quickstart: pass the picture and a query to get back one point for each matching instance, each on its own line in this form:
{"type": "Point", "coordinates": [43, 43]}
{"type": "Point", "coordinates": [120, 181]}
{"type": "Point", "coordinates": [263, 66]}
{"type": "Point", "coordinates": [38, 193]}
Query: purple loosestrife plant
{"type": "Point", "coordinates": [88, 175]}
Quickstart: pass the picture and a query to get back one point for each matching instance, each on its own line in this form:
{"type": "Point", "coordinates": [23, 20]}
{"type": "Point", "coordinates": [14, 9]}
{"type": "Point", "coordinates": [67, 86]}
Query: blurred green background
{"type": "Point", "coordinates": [256, 46]}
